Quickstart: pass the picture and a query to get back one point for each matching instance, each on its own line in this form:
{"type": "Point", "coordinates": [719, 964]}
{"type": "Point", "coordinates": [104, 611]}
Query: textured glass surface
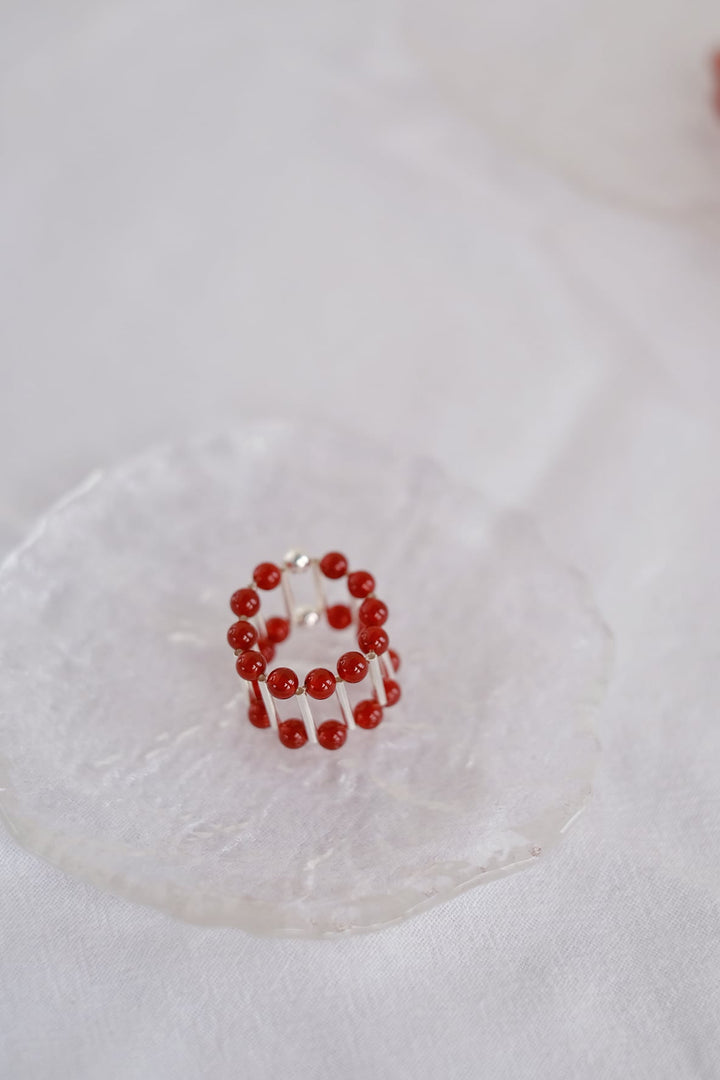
{"type": "Point", "coordinates": [126, 756]}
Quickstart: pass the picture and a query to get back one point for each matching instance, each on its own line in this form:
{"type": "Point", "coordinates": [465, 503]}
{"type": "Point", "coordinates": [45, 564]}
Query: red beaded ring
{"type": "Point", "coordinates": [253, 643]}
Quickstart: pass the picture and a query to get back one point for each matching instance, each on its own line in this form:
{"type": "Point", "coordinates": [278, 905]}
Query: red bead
{"type": "Point", "coordinates": [715, 62]}
{"type": "Point", "coordinates": [368, 714]}
{"type": "Point", "coordinates": [393, 692]}
{"type": "Point", "coordinates": [242, 635]}
{"type": "Point", "coordinates": [339, 616]}
{"type": "Point", "coordinates": [277, 629]}
{"type": "Point", "coordinates": [320, 683]}
{"type": "Point", "coordinates": [352, 667]}
{"type": "Point", "coordinates": [360, 584]}
{"type": "Point", "coordinates": [250, 665]}
{"type": "Point", "coordinates": [282, 683]}
{"type": "Point", "coordinates": [266, 576]}
{"type": "Point", "coordinates": [395, 659]}
{"type": "Point", "coordinates": [332, 734]}
{"type": "Point", "coordinates": [245, 602]}
{"type": "Point", "coordinates": [373, 639]}
{"type": "Point", "coordinates": [257, 715]}
{"type": "Point", "coordinates": [334, 565]}
{"type": "Point", "coordinates": [373, 612]}
{"type": "Point", "coordinates": [267, 649]}
{"type": "Point", "coordinates": [292, 734]}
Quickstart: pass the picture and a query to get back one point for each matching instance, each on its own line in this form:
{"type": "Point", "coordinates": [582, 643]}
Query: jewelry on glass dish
{"type": "Point", "coordinates": [254, 645]}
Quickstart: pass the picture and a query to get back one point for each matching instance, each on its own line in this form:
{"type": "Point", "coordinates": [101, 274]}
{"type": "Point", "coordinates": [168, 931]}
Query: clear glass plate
{"type": "Point", "coordinates": [126, 754]}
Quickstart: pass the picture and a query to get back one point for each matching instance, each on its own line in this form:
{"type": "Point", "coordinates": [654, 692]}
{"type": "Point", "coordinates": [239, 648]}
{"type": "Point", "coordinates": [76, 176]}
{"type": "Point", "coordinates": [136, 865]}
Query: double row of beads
{"type": "Point", "coordinates": [254, 638]}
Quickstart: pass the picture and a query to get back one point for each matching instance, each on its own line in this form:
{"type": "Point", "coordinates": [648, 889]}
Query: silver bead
{"type": "Point", "coordinates": [307, 616]}
{"type": "Point", "coordinates": [296, 561]}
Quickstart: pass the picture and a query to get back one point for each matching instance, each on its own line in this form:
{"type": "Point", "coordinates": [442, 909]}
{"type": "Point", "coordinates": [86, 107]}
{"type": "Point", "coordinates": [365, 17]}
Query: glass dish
{"type": "Point", "coordinates": [126, 757]}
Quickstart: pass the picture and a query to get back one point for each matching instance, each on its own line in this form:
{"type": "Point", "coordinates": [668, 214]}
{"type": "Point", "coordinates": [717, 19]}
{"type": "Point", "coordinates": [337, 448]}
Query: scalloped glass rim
{"type": "Point", "coordinates": [449, 822]}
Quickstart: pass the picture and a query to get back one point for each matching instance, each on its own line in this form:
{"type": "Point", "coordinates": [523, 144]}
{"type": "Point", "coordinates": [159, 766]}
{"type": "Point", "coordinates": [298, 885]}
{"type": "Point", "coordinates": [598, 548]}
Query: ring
{"type": "Point", "coordinates": [253, 638]}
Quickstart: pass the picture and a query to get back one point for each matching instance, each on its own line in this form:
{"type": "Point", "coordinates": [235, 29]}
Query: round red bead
{"type": "Point", "coordinates": [245, 602]}
{"type": "Point", "coordinates": [352, 667]}
{"type": "Point", "coordinates": [373, 639]}
{"type": "Point", "coordinates": [368, 714]}
{"type": "Point", "coordinates": [250, 665]}
{"type": "Point", "coordinates": [360, 584]}
{"type": "Point", "coordinates": [257, 715]}
{"type": "Point", "coordinates": [277, 629]}
{"type": "Point", "coordinates": [395, 659]}
{"type": "Point", "coordinates": [332, 734]}
{"type": "Point", "coordinates": [242, 635]}
{"type": "Point", "coordinates": [292, 734]}
{"type": "Point", "coordinates": [320, 683]}
{"type": "Point", "coordinates": [373, 612]}
{"type": "Point", "coordinates": [393, 692]}
{"type": "Point", "coordinates": [334, 565]}
{"type": "Point", "coordinates": [282, 683]}
{"type": "Point", "coordinates": [339, 616]}
{"type": "Point", "coordinates": [266, 576]}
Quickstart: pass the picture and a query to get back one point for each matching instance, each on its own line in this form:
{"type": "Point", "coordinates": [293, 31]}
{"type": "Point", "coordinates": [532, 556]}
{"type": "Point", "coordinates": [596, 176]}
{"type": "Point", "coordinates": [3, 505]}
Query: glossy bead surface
{"type": "Point", "coordinates": [360, 584]}
{"type": "Point", "coordinates": [368, 714]}
{"type": "Point", "coordinates": [257, 715]}
{"type": "Point", "coordinates": [277, 629]}
{"type": "Point", "coordinates": [373, 639]}
{"type": "Point", "coordinates": [352, 667]}
{"type": "Point", "coordinates": [393, 692]}
{"type": "Point", "coordinates": [334, 565]}
{"type": "Point", "coordinates": [292, 734]}
{"type": "Point", "coordinates": [395, 659]}
{"type": "Point", "coordinates": [250, 665]}
{"type": "Point", "coordinates": [282, 683]}
{"type": "Point", "coordinates": [266, 575]}
{"type": "Point", "coordinates": [245, 602]}
{"type": "Point", "coordinates": [373, 612]}
{"type": "Point", "coordinates": [307, 616]}
{"type": "Point", "coordinates": [339, 616]}
{"type": "Point", "coordinates": [332, 734]}
{"type": "Point", "coordinates": [297, 562]}
{"type": "Point", "coordinates": [267, 649]}
{"type": "Point", "coordinates": [320, 683]}
{"type": "Point", "coordinates": [242, 635]}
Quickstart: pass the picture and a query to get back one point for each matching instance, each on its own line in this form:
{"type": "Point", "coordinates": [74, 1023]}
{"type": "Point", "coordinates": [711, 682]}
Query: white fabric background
{"type": "Point", "coordinates": [216, 210]}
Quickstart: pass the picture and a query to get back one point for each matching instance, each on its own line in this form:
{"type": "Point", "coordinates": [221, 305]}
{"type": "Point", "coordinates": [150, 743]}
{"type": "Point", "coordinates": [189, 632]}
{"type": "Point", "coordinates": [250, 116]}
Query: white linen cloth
{"type": "Point", "coordinates": [217, 210]}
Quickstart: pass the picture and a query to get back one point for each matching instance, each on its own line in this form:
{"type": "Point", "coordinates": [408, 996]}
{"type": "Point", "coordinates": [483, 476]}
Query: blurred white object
{"type": "Point", "coordinates": [616, 94]}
